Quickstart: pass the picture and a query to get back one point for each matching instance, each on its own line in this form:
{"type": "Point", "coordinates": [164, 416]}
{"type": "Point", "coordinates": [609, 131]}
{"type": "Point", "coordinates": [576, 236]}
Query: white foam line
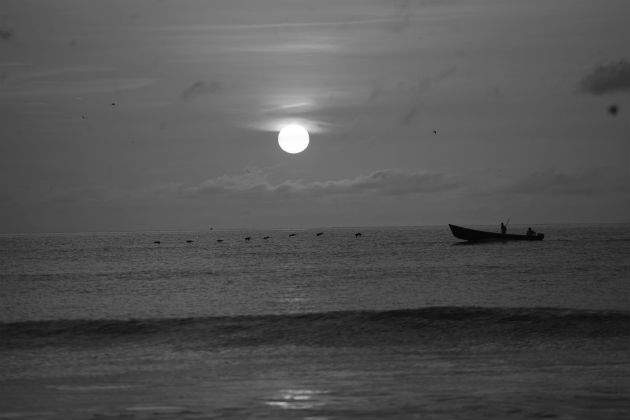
{"type": "Point", "coordinates": [25, 414]}
{"type": "Point", "coordinates": [153, 408]}
{"type": "Point", "coordinates": [88, 388]}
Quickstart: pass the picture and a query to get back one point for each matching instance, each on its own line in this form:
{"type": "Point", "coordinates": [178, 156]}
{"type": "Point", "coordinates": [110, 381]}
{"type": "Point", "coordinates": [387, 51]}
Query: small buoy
{"type": "Point", "coordinates": [157, 242]}
{"type": "Point", "coordinates": [188, 241]}
{"type": "Point", "coordinates": [219, 240]}
{"type": "Point", "coordinates": [247, 238]}
{"type": "Point", "coordinates": [356, 235]}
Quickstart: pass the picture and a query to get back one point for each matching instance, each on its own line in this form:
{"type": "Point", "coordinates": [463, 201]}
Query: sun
{"type": "Point", "coordinates": [293, 138]}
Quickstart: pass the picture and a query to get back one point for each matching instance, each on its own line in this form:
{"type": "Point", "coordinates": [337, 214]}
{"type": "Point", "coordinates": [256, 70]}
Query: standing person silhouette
{"type": "Point", "coordinates": [503, 229]}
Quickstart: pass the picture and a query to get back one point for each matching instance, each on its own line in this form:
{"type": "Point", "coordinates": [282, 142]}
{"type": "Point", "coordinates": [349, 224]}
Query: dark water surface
{"type": "Point", "coordinates": [399, 323]}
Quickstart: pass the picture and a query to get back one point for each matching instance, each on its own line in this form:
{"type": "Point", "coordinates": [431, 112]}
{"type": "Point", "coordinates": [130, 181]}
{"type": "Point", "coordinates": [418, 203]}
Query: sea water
{"type": "Point", "coordinates": [395, 323]}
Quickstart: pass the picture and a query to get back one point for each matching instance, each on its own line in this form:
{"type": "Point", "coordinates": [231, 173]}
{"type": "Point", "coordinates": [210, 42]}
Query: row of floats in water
{"type": "Point", "coordinates": [249, 238]}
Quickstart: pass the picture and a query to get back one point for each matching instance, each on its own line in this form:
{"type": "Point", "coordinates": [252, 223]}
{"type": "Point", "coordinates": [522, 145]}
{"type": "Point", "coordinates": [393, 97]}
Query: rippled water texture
{"type": "Point", "coordinates": [398, 323]}
{"type": "Point", "coordinates": [129, 276]}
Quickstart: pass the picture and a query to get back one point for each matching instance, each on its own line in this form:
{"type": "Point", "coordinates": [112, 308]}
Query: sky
{"type": "Point", "coordinates": [134, 115]}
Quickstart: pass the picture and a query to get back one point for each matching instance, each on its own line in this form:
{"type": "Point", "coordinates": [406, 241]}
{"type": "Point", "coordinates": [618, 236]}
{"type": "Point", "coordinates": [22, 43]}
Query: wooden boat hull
{"type": "Point", "coordinates": [473, 235]}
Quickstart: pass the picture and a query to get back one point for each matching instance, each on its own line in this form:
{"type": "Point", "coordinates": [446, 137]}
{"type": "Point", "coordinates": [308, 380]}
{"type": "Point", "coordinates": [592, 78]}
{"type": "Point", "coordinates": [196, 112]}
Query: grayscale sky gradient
{"type": "Point", "coordinates": [163, 115]}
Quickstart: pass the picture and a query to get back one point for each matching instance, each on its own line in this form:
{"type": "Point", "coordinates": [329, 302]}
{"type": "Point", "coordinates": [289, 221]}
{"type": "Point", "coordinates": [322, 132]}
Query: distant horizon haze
{"type": "Point", "coordinates": [513, 227]}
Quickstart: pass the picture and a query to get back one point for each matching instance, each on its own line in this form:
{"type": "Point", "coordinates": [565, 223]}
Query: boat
{"type": "Point", "coordinates": [473, 235]}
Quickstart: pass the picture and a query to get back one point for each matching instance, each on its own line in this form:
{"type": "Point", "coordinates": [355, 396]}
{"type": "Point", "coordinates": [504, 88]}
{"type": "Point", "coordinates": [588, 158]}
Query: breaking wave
{"type": "Point", "coordinates": [348, 328]}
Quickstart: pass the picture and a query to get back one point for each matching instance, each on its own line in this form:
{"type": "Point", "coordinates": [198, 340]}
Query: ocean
{"type": "Point", "coordinates": [395, 323]}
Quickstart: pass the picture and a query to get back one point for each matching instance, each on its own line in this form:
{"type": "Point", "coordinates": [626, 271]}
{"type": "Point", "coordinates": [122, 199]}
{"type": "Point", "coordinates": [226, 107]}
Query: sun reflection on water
{"type": "Point", "coordinates": [297, 399]}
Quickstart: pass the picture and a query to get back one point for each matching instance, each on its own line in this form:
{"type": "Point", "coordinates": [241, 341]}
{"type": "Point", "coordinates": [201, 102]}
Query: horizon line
{"type": "Point", "coordinates": [278, 228]}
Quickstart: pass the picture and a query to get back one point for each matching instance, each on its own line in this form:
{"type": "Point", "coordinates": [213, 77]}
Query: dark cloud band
{"type": "Point", "coordinates": [607, 78]}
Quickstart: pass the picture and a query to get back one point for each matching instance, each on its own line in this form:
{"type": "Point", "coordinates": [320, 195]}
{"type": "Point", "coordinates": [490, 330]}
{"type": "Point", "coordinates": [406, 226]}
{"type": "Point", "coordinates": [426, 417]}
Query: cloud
{"type": "Point", "coordinates": [6, 34]}
{"type": "Point", "coordinates": [423, 86]}
{"type": "Point", "coordinates": [199, 88]}
{"type": "Point", "coordinates": [398, 21]}
{"type": "Point", "coordinates": [382, 182]}
{"type": "Point", "coordinates": [607, 78]}
{"type": "Point", "coordinates": [102, 194]}
{"type": "Point", "coordinates": [74, 88]}
{"type": "Point", "coordinates": [61, 74]}
{"type": "Point", "coordinates": [552, 181]}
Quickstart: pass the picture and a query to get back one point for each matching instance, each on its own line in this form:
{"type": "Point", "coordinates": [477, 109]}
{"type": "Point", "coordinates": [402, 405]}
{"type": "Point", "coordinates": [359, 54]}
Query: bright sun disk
{"type": "Point", "coordinates": [293, 138]}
